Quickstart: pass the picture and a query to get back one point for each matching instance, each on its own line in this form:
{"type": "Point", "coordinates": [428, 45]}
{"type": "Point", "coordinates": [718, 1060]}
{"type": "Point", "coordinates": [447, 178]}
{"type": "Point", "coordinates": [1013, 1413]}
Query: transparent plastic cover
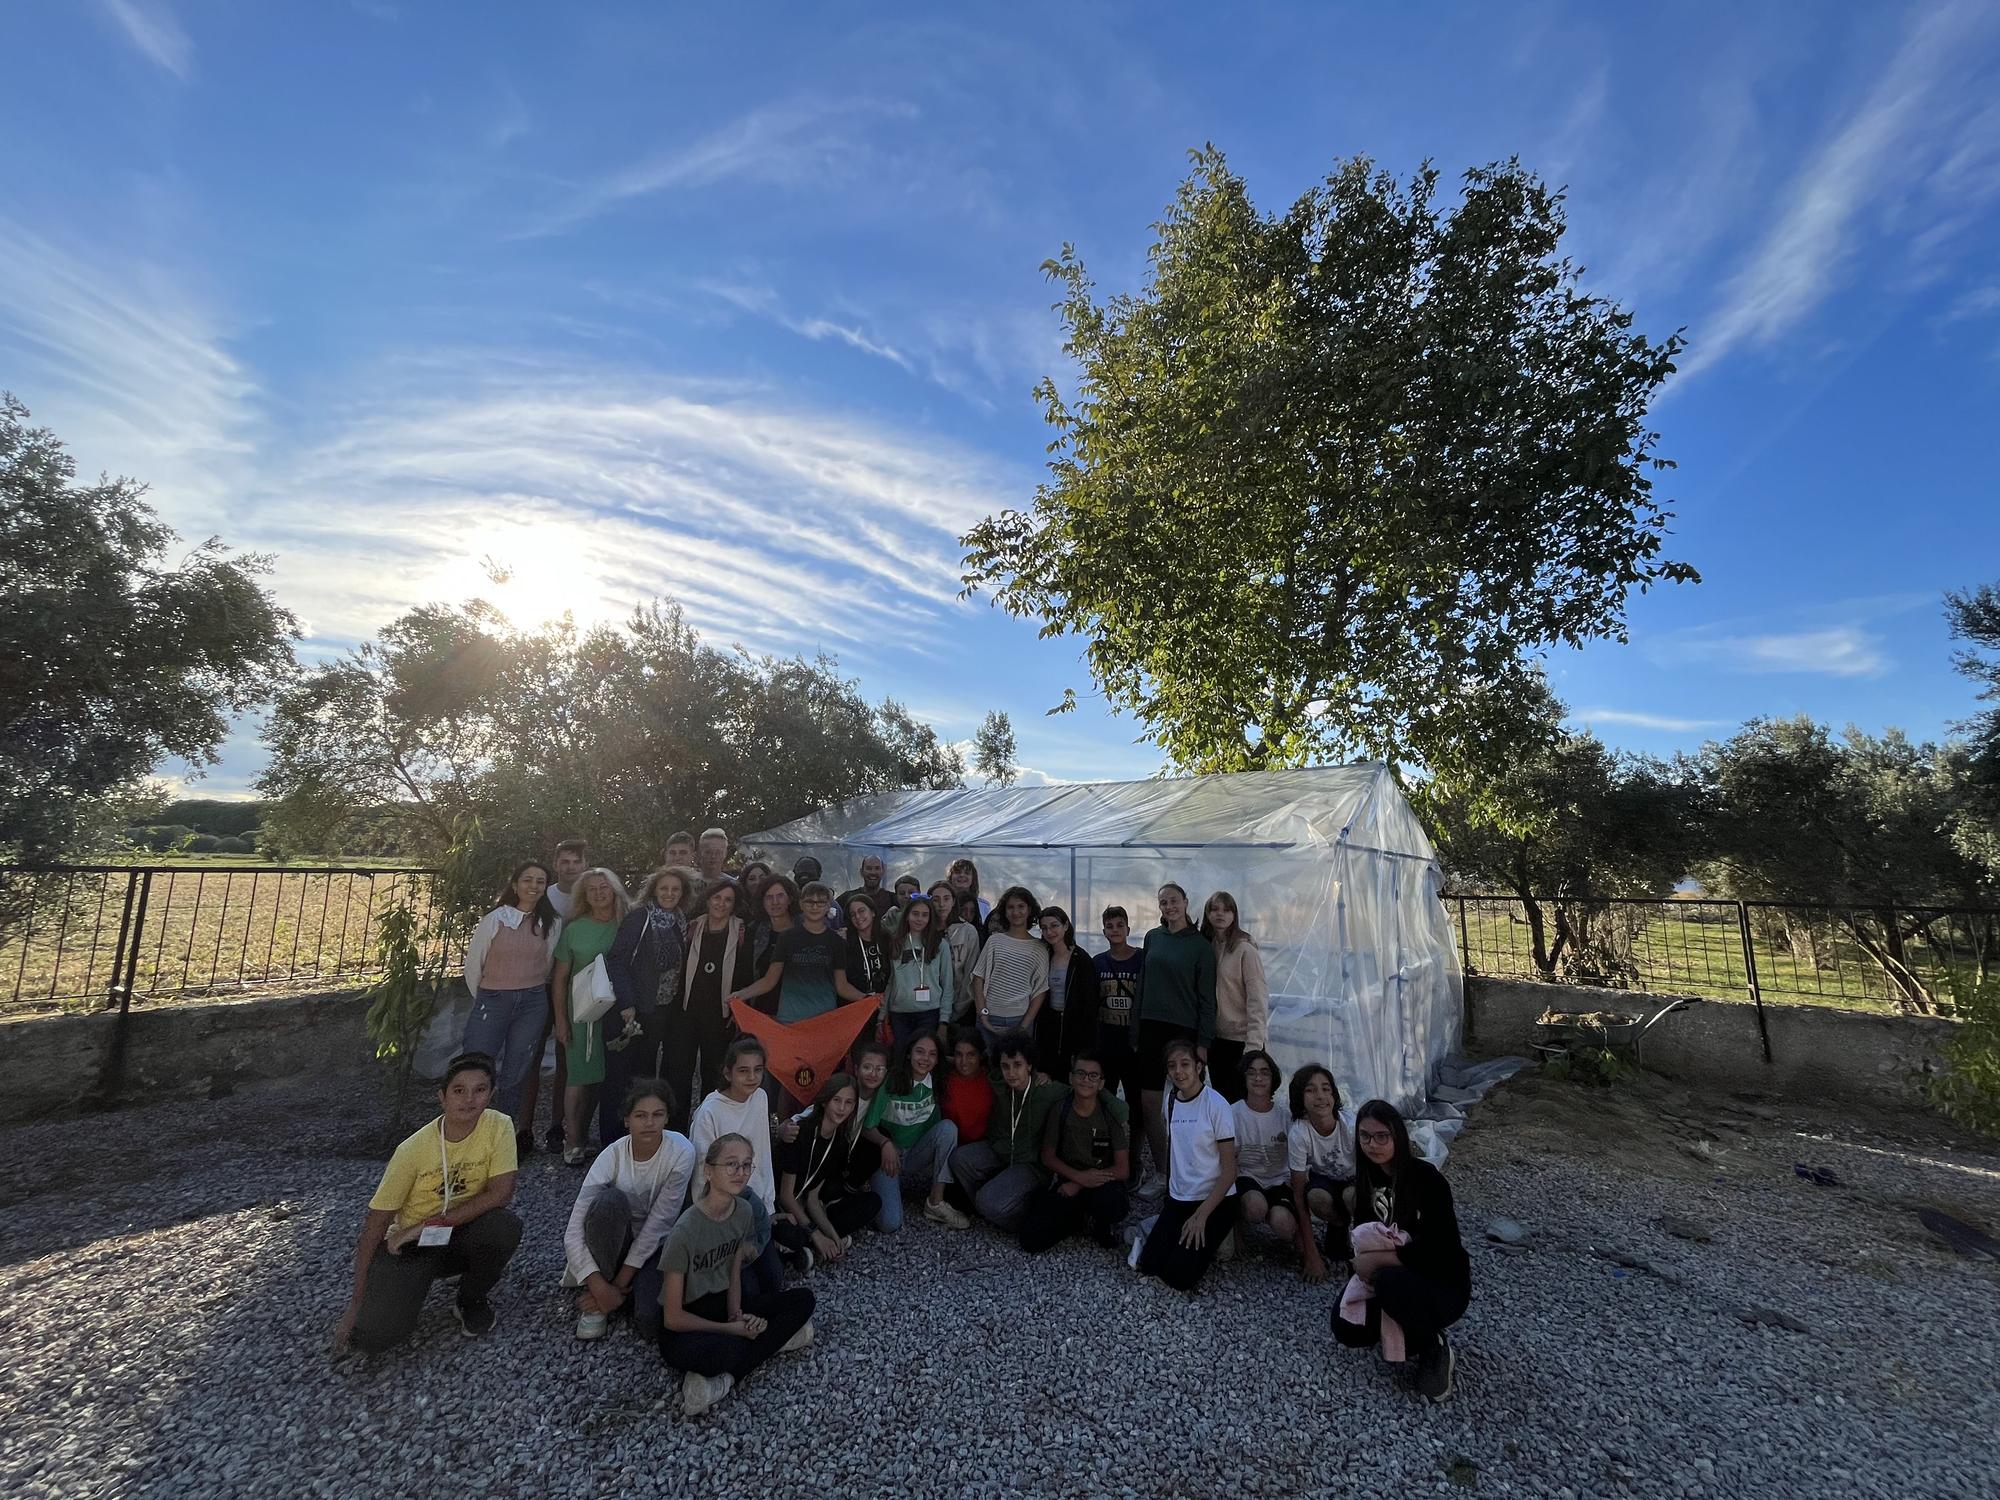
{"type": "Point", "coordinates": [1331, 870]}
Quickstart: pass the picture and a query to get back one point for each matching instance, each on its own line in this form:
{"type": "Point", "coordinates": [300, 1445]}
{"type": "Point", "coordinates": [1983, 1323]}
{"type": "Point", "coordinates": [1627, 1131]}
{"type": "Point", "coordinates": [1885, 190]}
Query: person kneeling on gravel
{"type": "Point", "coordinates": [1087, 1149]}
{"type": "Point", "coordinates": [629, 1202]}
{"type": "Point", "coordinates": [440, 1210]}
{"type": "Point", "coordinates": [1425, 1285]}
{"type": "Point", "coordinates": [1001, 1173]}
{"type": "Point", "coordinates": [712, 1333]}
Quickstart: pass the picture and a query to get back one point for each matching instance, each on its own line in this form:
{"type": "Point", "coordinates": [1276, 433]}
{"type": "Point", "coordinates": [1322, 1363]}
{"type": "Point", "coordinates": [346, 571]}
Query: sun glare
{"type": "Point", "coordinates": [534, 575]}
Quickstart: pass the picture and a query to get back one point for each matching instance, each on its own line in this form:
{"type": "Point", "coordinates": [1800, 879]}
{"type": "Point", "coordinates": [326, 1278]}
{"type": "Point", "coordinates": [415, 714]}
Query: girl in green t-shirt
{"type": "Point", "coordinates": [713, 1334]}
{"type": "Point", "coordinates": [917, 1140]}
{"type": "Point", "coordinates": [597, 907]}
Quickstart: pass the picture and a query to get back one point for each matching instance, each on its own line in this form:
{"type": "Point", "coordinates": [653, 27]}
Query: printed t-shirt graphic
{"type": "Point", "coordinates": [413, 1182]}
{"type": "Point", "coordinates": [811, 959]}
{"type": "Point", "coordinates": [1118, 987]}
{"type": "Point", "coordinates": [701, 1248]}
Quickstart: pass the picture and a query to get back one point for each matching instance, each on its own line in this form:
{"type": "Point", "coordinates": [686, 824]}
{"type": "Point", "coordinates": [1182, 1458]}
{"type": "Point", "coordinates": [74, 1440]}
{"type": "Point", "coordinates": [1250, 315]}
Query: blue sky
{"type": "Point", "coordinates": [743, 304]}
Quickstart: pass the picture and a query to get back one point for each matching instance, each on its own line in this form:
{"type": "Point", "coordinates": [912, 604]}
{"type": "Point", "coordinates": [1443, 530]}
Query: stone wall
{"type": "Point", "coordinates": [53, 1063]}
{"type": "Point", "coordinates": [1817, 1052]}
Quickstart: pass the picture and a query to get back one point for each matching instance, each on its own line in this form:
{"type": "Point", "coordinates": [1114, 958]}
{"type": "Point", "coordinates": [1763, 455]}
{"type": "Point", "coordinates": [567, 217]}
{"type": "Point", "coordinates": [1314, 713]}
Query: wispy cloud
{"type": "Point", "coordinates": [765, 303]}
{"type": "Point", "coordinates": [1838, 651]}
{"type": "Point", "coordinates": [1667, 723]}
{"type": "Point", "coordinates": [149, 26]}
{"type": "Point", "coordinates": [1905, 132]}
{"type": "Point", "coordinates": [800, 141]}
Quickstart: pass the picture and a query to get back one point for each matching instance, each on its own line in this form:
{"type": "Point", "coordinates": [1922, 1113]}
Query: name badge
{"type": "Point", "coordinates": [434, 1236]}
{"type": "Point", "coordinates": [923, 997]}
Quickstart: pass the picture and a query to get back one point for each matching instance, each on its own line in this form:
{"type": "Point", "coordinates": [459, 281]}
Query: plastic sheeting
{"type": "Point", "coordinates": [1329, 866]}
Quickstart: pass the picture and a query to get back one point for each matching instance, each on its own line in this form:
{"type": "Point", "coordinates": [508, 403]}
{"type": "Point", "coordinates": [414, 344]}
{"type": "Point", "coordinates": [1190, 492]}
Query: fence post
{"type": "Point", "coordinates": [1750, 974]}
{"type": "Point", "coordinates": [1464, 948]}
{"type": "Point", "coordinates": [124, 974]}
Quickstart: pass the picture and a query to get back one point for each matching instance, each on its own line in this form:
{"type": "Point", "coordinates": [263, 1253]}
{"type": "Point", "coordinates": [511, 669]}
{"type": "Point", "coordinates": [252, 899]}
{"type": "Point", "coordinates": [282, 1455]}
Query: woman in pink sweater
{"type": "Point", "coordinates": [1242, 997]}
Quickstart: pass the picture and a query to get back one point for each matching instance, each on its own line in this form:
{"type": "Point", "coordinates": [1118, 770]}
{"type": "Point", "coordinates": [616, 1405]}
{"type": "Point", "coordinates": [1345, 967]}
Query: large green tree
{"type": "Point", "coordinates": [1565, 823]}
{"type": "Point", "coordinates": [117, 647]}
{"type": "Point", "coordinates": [1974, 617]}
{"type": "Point", "coordinates": [1333, 477]}
{"type": "Point", "coordinates": [453, 717]}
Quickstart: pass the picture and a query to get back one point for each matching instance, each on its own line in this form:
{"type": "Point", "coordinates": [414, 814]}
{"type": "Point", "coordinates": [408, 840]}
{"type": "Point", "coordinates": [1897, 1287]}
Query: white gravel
{"type": "Point", "coordinates": [170, 1275]}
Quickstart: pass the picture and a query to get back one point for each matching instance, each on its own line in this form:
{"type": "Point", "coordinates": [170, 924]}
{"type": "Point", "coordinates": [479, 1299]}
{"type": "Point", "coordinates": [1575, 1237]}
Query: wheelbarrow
{"type": "Point", "coordinates": [1560, 1031]}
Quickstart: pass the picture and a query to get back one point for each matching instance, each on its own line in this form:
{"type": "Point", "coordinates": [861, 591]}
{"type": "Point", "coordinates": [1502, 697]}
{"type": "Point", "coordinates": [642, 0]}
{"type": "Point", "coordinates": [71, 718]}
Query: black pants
{"type": "Point", "coordinates": [1166, 1257]}
{"type": "Point", "coordinates": [1121, 1064]}
{"type": "Point", "coordinates": [695, 1039]}
{"type": "Point", "coordinates": [725, 1353]}
{"type": "Point", "coordinates": [849, 1214]}
{"type": "Point", "coordinates": [1225, 1068]}
{"type": "Point", "coordinates": [1423, 1307]}
{"type": "Point", "coordinates": [1052, 1216]}
{"type": "Point", "coordinates": [640, 1057]}
{"type": "Point", "coordinates": [397, 1284]}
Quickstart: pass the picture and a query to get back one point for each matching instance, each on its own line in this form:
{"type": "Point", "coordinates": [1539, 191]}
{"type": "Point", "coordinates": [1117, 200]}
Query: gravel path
{"type": "Point", "coordinates": [170, 1275]}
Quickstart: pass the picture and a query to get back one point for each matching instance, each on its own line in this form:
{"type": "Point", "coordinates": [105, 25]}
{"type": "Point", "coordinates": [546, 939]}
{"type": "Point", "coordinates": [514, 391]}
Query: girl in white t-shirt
{"type": "Point", "coordinates": [1264, 1179]}
{"type": "Point", "coordinates": [1321, 1158]}
{"type": "Point", "coordinates": [1201, 1205]}
{"type": "Point", "coordinates": [628, 1203]}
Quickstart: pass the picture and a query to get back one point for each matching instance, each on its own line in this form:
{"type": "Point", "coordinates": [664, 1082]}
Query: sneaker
{"type": "Point", "coordinates": [591, 1325]}
{"type": "Point", "coordinates": [800, 1339]}
{"type": "Point", "coordinates": [577, 1156]}
{"type": "Point", "coordinates": [524, 1143]}
{"type": "Point", "coordinates": [1433, 1372]}
{"type": "Point", "coordinates": [1138, 1244]}
{"type": "Point", "coordinates": [700, 1392]}
{"type": "Point", "coordinates": [475, 1319]}
{"type": "Point", "coordinates": [806, 1259]}
{"type": "Point", "coordinates": [554, 1138]}
{"type": "Point", "coordinates": [847, 1242]}
{"type": "Point", "coordinates": [1152, 1185]}
{"type": "Point", "coordinates": [945, 1214]}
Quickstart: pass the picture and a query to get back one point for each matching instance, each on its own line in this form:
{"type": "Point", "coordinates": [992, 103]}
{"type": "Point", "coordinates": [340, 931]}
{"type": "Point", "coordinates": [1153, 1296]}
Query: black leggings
{"type": "Point", "coordinates": [695, 1037]}
{"type": "Point", "coordinates": [1166, 1257]}
{"type": "Point", "coordinates": [1423, 1307]}
{"type": "Point", "coordinates": [724, 1353]}
{"type": "Point", "coordinates": [1225, 1068]}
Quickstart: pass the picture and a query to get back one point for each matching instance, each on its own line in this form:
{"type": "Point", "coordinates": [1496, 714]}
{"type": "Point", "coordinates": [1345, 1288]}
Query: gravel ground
{"type": "Point", "coordinates": [171, 1274]}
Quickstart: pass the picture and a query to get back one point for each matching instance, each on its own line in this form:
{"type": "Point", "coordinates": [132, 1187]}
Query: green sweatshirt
{"type": "Point", "coordinates": [1178, 986]}
{"type": "Point", "coordinates": [1014, 1129]}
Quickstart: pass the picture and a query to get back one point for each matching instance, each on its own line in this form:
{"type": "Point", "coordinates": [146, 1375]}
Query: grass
{"type": "Point", "coordinates": [205, 934]}
{"type": "Point", "coordinates": [1696, 948]}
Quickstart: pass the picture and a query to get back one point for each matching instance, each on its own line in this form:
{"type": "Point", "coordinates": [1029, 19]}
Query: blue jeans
{"type": "Point", "coordinates": [904, 1024]}
{"type": "Point", "coordinates": [927, 1161]}
{"type": "Point", "coordinates": [507, 1026]}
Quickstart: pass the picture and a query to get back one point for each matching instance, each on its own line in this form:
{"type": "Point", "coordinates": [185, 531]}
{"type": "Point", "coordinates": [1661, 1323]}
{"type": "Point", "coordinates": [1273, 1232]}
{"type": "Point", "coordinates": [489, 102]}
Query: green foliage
{"type": "Point", "coordinates": [617, 734]}
{"type": "Point", "coordinates": [235, 846]}
{"type": "Point", "coordinates": [420, 934]}
{"type": "Point", "coordinates": [114, 653]}
{"type": "Point", "coordinates": [217, 815]}
{"type": "Point", "coordinates": [1563, 821]}
{"type": "Point", "coordinates": [162, 838]}
{"type": "Point", "coordinates": [1974, 616]}
{"type": "Point", "coordinates": [203, 843]}
{"type": "Point", "coordinates": [1333, 477]}
{"type": "Point", "coordinates": [1970, 1091]}
{"type": "Point", "coordinates": [993, 750]}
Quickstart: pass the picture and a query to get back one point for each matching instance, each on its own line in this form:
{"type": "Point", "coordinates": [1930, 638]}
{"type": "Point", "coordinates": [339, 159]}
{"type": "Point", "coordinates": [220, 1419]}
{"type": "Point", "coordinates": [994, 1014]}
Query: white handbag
{"type": "Point", "coordinates": [591, 996]}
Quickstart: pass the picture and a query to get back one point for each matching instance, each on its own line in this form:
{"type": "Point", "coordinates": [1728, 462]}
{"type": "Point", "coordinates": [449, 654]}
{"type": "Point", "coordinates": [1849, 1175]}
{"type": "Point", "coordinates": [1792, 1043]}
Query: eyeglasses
{"type": "Point", "coordinates": [1373, 1137]}
{"type": "Point", "coordinates": [734, 1166]}
{"type": "Point", "coordinates": [1082, 1077]}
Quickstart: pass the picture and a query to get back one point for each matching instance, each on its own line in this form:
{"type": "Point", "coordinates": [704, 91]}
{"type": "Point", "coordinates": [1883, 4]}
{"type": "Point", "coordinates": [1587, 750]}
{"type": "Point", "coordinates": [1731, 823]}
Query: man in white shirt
{"type": "Point", "coordinates": [572, 859]}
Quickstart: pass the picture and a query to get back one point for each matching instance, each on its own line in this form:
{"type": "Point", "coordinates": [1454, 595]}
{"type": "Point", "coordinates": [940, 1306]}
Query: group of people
{"type": "Point", "coordinates": [991, 1088]}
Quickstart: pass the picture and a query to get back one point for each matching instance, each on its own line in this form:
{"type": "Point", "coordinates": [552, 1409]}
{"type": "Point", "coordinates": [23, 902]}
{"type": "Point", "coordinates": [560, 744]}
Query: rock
{"type": "Point", "coordinates": [1684, 1229]}
{"type": "Point", "coordinates": [1773, 1318]}
{"type": "Point", "coordinates": [1507, 1232]}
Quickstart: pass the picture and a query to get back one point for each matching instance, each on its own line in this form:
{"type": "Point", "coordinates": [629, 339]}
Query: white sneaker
{"type": "Point", "coordinates": [1138, 1243]}
{"type": "Point", "coordinates": [591, 1325]}
{"type": "Point", "coordinates": [700, 1392]}
{"type": "Point", "coordinates": [943, 1213]}
{"type": "Point", "coordinates": [800, 1339]}
{"type": "Point", "coordinates": [1152, 1185]}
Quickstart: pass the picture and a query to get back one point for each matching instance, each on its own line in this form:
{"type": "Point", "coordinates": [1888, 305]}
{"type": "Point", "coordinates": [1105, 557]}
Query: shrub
{"type": "Point", "coordinates": [234, 846]}
{"type": "Point", "coordinates": [203, 843]}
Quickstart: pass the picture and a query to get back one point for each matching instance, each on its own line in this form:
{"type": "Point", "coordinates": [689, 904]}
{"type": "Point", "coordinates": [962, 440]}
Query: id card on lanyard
{"type": "Point", "coordinates": [436, 1234]}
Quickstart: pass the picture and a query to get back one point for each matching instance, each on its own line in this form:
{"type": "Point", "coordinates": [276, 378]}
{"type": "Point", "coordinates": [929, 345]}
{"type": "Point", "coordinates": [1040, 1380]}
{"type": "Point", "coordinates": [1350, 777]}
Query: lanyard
{"type": "Point", "coordinates": [815, 1162]}
{"type": "Point", "coordinates": [444, 1169]}
{"type": "Point", "coordinates": [1014, 1113]}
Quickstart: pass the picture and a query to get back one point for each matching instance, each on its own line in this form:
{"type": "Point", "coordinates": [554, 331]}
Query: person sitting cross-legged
{"type": "Point", "coordinates": [440, 1210]}
{"type": "Point", "coordinates": [1087, 1148]}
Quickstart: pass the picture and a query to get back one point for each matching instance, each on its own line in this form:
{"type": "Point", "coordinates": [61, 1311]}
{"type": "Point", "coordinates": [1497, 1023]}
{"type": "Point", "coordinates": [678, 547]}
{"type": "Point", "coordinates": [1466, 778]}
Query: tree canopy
{"type": "Point", "coordinates": [114, 652]}
{"type": "Point", "coordinates": [993, 749]}
{"type": "Point", "coordinates": [1332, 478]}
{"type": "Point", "coordinates": [616, 734]}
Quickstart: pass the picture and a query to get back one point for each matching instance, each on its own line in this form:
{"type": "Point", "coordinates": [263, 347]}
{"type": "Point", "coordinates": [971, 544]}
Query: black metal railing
{"type": "Point", "coordinates": [102, 936]}
{"type": "Point", "coordinates": [1905, 959]}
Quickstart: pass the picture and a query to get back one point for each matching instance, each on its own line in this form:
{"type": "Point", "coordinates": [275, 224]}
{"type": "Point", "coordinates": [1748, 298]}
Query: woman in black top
{"type": "Point", "coordinates": [815, 1186]}
{"type": "Point", "coordinates": [699, 1028]}
{"type": "Point", "coordinates": [1061, 1034]}
{"type": "Point", "coordinates": [1426, 1284]}
{"type": "Point", "coordinates": [867, 952]}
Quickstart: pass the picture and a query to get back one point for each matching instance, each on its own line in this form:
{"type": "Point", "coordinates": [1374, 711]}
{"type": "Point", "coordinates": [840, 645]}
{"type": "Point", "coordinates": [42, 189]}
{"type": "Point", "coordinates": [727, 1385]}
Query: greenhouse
{"type": "Point", "coordinates": [1333, 874]}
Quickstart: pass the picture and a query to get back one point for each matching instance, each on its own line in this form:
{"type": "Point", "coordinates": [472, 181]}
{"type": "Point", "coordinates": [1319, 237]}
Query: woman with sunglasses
{"type": "Point", "coordinates": [1425, 1283]}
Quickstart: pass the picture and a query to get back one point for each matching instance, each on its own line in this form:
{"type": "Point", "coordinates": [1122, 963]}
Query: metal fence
{"type": "Point", "coordinates": [103, 936]}
{"type": "Point", "coordinates": [1881, 958]}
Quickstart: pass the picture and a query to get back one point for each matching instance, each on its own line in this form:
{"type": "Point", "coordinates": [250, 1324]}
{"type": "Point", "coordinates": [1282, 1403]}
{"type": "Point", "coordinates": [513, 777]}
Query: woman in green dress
{"type": "Point", "coordinates": [597, 907]}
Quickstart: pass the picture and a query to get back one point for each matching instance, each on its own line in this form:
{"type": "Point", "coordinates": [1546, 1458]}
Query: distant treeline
{"type": "Point", "coordinates": [214, 825]}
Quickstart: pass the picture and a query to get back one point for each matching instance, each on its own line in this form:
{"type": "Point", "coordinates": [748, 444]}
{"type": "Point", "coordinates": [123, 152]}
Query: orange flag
{"type": "Point", "coordinates": [803, 1054]}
